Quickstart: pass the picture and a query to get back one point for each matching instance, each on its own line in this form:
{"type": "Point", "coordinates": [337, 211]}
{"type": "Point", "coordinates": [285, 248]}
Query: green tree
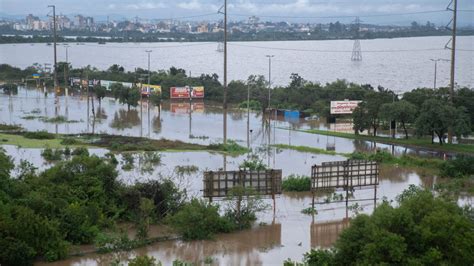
{"type": "Point", "coordinates": [422, 230]}
{"type": "Point", "coordinates": [100, 92]}
{"type": "Point", "coordinates": [401, 111]}
{"type": "Point", "coordinates": [368, 114]}
{"type": "Point", "coordinates": [199, 219]}
{"type": "Point", "coordinates": [437, 116]}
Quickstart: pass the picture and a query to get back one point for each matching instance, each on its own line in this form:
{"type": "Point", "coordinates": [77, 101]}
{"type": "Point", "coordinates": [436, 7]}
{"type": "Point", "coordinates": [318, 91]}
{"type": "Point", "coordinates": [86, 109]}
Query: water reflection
{"type": "Point", "coordinates": [125, 119]}
{"type": "Point", "coordinates": [177, 121]}
{"type": "Point", "coordinates": [289, 233]}
{"type": "Point", "coordinates": [325, 234]}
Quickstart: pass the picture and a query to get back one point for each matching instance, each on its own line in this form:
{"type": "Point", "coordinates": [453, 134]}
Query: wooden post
{"type": "Point", "coordinates": [272, 173]}
{"type": "Point", "coordinates": [375, 196]}
{"type": "Point", "coordinates": [210, 185]}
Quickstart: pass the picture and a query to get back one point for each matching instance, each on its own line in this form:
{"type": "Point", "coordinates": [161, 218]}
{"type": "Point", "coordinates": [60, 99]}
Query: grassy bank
{"type": "Point", "coordinates": [41, 139]}
{"type": "Point", "coordinates": [424, 143]}
{"type": "Point", "coordinates": [21, 141]}
{"type": "Point", "coordinates": [306, 149]}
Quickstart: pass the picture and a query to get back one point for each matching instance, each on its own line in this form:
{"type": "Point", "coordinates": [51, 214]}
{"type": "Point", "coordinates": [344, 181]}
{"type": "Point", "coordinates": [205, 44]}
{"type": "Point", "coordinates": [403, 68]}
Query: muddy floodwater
{"type": "Point", "coordinates": [278, 235]}
{"type": "Point", "coordinates": [287, 233]}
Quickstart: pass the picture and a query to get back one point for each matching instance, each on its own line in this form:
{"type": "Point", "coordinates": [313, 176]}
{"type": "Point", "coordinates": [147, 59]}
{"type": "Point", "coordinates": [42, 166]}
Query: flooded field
{"type": "Point", "coordinates": [285, 233]}
{"type": "Point", "coordinates": [197, 122]}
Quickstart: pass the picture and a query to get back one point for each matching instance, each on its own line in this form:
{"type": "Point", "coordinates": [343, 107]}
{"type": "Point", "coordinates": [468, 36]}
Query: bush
{"type": "Point", "coordinates": [462, 165]}
{"type": "Point", "coordinates": [143, 261]}
{"type": "Point", "coordinates": [15, 252]}
{"type": "Point", "coordinates": [319, 257]}
{"type": "Point", "coordinates": [39, 135]}
{"type": "Point", "coordinates": [422, 230]}
{"type": "Point", "coordinates": [253, 163]}
{"type": "Point", "coordinates": [252, 104]}
{"type": "Point", "coordinates": [80, 151]}
{"type": "Point", "coordinates": [199, 219]}
{"type": "Point", "coordinates": [52, 155]}
{"type": "Point", "coordinates": [68, 141]}
{"type": "Point", "coordinates": [242, 206]}
{"type": "Point", "coordinates": [296, 183]}
{"type": "Point", "coordinates": [231, 147]}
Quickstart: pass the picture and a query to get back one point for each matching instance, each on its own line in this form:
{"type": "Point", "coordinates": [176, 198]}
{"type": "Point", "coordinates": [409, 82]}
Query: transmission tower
{"type": "Point", "coordinates": [220, 47]}
{"type": "Point", "coordinates": [356, 50]}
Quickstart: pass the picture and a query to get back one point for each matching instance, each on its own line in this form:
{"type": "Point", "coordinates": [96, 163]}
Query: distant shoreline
{"type": "Point", "coordinates": [41, 38]}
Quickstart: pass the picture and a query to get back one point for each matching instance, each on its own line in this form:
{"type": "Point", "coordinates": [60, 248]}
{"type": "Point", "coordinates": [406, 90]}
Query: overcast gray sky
{"type": "Point", "coordinates": [273, 9]}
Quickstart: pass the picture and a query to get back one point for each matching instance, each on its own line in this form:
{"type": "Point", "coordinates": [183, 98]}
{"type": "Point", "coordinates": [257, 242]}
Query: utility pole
{"type": "Point", "coordinates": [66, 68]}
{"type": "Point", "coordinates": [436, 68]}
{"type": "Point", "coordinates": [224, 105]}
{"type": "Point", "coordinates": [269, 77]}
{"type": "Point", "coordinates": [248, 115]}
{"type": "Point", "coordinates": [453, 3]}
{"type": "Point", "coordinates": [149, 73]}
{"type": "Point", "coordinates": [55, 56]}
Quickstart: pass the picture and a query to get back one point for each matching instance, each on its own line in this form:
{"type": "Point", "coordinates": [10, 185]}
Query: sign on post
{"type": "Point", "coordinates": [218, 184]}
{"type": "Point", "coordinates": [343, 107]}
{"type": "Point", "coordinates": [344, 174]}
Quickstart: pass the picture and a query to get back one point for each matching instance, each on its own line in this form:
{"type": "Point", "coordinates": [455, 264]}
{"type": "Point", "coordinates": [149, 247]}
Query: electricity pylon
{"type": "Point", "coordinates": [356, 50]}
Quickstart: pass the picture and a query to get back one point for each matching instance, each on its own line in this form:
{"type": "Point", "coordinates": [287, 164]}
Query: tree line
{"type": "Point", "coordinates": [422, 111]}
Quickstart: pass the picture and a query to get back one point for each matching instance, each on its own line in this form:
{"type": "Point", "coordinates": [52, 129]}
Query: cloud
{"type": "Point", "coordinates": [138, 6]}
{"type": "Point", "coordinates": [320, 8]}
{"type": "Point", "coordinates": [191, 5]}
{"type": "Point", "coordinates": [146, 5]}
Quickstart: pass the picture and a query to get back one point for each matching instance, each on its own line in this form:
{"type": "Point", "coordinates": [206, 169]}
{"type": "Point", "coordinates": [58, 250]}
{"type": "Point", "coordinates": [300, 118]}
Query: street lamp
{"type": "Point", "coordinates": [269, 77]}
{"type": "Point", "coordinates": [436, 68]}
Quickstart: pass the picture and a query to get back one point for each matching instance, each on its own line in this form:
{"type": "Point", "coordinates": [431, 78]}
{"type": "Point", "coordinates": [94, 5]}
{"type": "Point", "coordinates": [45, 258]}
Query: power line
{"type": "Point", "coordinates": [149, 47]}
{"type": "Point", "coordinates": [345, 16]}
{"type": "Point", "coordinates": [338, 51]}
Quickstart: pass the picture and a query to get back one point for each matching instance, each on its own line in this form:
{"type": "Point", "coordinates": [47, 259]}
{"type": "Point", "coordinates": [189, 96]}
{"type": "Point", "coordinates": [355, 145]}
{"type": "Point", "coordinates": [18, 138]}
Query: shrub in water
{"type": "Point", "coordinates": [199, 219]}
{"type": "Point", "coordinates": [296, 183]}
{"type": "Point", "coordinates": [39, 135]}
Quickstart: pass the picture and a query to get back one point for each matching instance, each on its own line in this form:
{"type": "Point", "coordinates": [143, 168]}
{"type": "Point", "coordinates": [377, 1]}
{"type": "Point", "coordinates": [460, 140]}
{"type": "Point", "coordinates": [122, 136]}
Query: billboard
{"type": "Point", "coordinates": [187, 92]}
{"type": "Point", "coordinates": [179, 93]}
{"type": "Point", "coordinates": [148, 89]}
{"type": "Point", "coordinates": [343, 174]}
{"type": "Point", "coordinates": [198, 92]}
{"type": "Point", "coordinates": [343, 107]}
{"type": "Point", "coordinates": [219, 184]}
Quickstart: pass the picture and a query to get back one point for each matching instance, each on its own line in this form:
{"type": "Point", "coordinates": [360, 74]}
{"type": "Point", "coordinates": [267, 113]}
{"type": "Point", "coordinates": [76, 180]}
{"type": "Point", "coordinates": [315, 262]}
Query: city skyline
{"type": "Point", "coordinates": [371, 11]}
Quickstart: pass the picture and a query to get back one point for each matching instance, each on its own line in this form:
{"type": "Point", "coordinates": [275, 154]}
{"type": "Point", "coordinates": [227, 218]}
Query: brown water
{"type": "Point", "coordinates": [287, 234]}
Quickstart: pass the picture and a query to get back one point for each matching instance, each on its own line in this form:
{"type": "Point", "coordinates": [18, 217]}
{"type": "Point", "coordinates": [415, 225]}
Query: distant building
{"type": "Point", "coordinates": [203, 28]}
{"type": "Point", "coordinates": [253, 20]}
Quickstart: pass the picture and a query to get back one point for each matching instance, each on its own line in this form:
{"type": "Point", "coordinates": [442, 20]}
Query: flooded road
{"type": "Point", "coordinates": [196, 122]}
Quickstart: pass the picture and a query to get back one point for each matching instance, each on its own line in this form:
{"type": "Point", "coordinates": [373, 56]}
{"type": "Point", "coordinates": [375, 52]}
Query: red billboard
{"type": "Point", "coordinates": [179, 93]}
{"type": "Point", "coordinates": [186, 92]}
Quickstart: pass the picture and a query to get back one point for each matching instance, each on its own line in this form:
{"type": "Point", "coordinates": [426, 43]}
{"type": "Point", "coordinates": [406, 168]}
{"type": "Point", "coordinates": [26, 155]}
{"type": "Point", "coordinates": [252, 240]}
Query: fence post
{"type": "Point", "coordinates": [210, 185]}
{"type": "Point", "coordinates": [272, 174]}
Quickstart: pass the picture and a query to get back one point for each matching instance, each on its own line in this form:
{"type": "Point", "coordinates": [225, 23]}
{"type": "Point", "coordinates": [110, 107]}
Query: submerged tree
{"type": "Point", "coordinates": [437, 116]}
{"type": "Point", "coordinates": [401, 111]}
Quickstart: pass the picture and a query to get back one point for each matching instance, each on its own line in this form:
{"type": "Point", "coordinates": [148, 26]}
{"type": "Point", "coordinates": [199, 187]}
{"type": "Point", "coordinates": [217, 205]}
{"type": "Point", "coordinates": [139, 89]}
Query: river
{"type": "Point", "coordinates": [399, 64]}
